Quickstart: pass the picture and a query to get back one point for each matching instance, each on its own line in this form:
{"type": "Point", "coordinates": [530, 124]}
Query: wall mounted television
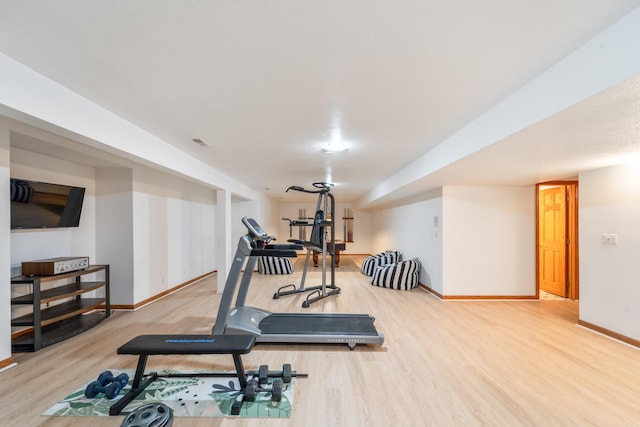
{"type": "Point", "coordinates": [44, 205]}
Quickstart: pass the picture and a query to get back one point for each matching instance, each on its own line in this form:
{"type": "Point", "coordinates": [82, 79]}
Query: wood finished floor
{"type": "Point", "coordinates": [455, 363]}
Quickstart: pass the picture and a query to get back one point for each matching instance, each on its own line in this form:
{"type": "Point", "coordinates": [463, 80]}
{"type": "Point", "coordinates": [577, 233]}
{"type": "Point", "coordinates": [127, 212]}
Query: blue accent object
{"type": "Point", "coordinates": [188, 341]}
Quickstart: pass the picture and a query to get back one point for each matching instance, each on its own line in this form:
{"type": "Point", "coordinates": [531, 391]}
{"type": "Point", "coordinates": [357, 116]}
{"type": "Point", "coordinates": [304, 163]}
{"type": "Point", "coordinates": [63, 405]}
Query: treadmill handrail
{"type": "Point", "coordinates": [283, 253]}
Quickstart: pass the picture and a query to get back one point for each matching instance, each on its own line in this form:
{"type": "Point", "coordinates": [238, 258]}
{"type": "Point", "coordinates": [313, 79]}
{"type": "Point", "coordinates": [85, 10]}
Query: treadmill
{"type": "Point", "coordinates": [291, 328]}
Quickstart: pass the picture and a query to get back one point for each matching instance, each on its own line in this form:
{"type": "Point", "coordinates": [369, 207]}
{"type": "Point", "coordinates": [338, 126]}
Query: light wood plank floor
{"type": "Point", "coordinates": [456, 363]}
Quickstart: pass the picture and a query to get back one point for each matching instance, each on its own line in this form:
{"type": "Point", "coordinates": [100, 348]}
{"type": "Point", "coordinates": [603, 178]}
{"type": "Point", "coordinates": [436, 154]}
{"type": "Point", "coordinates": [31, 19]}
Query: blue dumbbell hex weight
{"type": "Point", "coordinates": [107, 384]}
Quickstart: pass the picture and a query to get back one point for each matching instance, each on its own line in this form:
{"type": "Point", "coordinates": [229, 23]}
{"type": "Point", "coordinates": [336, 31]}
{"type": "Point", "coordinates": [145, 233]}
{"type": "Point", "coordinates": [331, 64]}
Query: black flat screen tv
{"type": "Point", "coordinates": [43, 205]}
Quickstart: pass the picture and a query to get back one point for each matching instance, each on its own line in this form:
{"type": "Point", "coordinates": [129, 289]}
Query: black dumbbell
{"type": "Point", "coordinates": [286, 373]}
{"type": "Point", "coordinates": [263, 374]}
{"type": "Point", "coordinates": [276, 390]}
{"type": "Point", "coordinates": [251, 390]}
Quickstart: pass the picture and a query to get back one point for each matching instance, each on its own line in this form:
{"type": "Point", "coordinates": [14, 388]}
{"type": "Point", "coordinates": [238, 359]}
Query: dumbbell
{"type": "Point", "coordinates": [107, 377]}
{"type": "Point", "coordinates": [107, 384]}
{"type": "Point", "coordinates": [253, 388]}
{"type": "Point", "coordinates": [110, 391]}
{"type": "Point", "coordinates": [286, 374]}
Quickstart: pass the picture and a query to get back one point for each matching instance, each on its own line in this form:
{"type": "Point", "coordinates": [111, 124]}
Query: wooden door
{"type": "Point", "coordinates": [552, 240]}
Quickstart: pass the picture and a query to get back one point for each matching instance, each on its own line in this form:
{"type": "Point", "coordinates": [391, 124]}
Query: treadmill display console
{"type": "Point", "coordinates": [253, 227]}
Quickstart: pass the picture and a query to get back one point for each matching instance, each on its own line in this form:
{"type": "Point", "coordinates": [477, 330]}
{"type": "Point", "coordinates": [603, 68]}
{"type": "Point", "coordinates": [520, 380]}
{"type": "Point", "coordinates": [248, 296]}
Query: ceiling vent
{"type": "Point", "coordinates": [200, 142]}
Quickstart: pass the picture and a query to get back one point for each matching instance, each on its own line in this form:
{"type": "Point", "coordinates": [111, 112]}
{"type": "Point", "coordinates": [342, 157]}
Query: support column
{"type": "Point", "coordinates": [224, 247]}
{"type": "Point", "coordinates": [5, 249]}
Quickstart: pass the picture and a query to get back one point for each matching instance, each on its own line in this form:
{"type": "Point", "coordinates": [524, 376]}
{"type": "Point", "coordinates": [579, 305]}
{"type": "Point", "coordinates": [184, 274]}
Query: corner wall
{"type": "Point", "coordinates": [489, 241]}
{"type": "Point", "coordinates": [416, 231]}
{"type": "Point", "coordinates": [610, 274]}
{"type": "Point", "coordinates": [471, 241]}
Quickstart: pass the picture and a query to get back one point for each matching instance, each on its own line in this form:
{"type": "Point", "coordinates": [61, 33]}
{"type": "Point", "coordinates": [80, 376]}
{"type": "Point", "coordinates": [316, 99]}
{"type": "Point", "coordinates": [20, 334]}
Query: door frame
{"type": "Point", "coordinates": [572, 256]}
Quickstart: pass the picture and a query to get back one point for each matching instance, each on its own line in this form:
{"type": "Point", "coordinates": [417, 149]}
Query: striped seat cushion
{"type": "Point", "coordinates": [404, 275]}
{"type": "Point", "coordinates": [369, 264]}
{"type": "Point", "coordinates": [274, 265]}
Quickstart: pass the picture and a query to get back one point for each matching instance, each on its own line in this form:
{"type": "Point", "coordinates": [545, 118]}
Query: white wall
{"type": "Point", "coordinates": [239, 209]}
{"type": "Point", "coordinates": [5, 248]}
{"type": "Point", "coordinates": [155, 230]}
{"type": "Point", "coordinates": [610, 275]}
{"type": "Point", "coordinates": [489, 241]}
{"type": "Point", "coordinates": [190, 240]}
{"type": "Point", "coordinates": [412, 230]}
{"type": "Point", "coordinates": [173, 231]}
{"type": "Point", "coordinates": [471, 241]}
{"type": "Point", "coordinates": [114, 230]}
{"type": "Point", "coordinates": [268, 215]}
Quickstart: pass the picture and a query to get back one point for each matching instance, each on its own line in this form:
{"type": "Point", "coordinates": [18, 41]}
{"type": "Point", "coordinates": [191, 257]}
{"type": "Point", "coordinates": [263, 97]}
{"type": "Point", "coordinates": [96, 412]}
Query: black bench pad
{"type": "Point", "coordinates": [188, 344]}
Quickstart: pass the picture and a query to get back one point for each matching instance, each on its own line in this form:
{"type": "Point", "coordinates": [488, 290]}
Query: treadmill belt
{"type": "Point", "coordinates": [322, 324]}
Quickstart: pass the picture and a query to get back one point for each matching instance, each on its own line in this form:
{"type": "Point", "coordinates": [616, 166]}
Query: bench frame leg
{"type": "Point", "coordinates": [141, 382]}
{"type": "Point", "coordinates": [138, 386]}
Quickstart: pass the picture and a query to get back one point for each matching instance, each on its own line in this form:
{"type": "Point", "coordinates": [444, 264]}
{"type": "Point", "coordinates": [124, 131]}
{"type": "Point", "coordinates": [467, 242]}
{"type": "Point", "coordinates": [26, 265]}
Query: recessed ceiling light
{"type": "Point", "coordinates": [200, 142]}
{"type": "Point", "coordinates": [336, 145]}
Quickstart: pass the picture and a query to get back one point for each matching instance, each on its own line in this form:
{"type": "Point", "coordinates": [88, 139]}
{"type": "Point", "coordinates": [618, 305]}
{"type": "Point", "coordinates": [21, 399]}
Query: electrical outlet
{"type": "Point", "coordinates": [609, 239]}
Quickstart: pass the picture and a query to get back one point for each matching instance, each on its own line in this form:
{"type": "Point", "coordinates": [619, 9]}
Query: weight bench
{"type": "Point", "coordinates": [146, 345]}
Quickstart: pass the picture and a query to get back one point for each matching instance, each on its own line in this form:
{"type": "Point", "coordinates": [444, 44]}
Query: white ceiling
{"type": "Point", "coordinates": [265, 82]}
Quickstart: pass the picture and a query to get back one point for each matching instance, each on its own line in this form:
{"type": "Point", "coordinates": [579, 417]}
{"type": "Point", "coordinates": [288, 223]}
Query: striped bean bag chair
{"type": "Point", "coordinates": [274, 265]}
{"type": "Point", "coordinates": [404, 275]}
{"type": "Point", "coordinates": [369, 264]}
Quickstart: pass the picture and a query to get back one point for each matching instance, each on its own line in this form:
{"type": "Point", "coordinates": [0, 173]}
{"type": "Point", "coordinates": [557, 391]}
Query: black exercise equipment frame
{"type": "Point", "coordinates": [317, 242]}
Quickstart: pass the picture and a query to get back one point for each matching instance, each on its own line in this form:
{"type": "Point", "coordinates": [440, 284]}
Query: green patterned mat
{"type": "Point", "coordinates": [187, 396]}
